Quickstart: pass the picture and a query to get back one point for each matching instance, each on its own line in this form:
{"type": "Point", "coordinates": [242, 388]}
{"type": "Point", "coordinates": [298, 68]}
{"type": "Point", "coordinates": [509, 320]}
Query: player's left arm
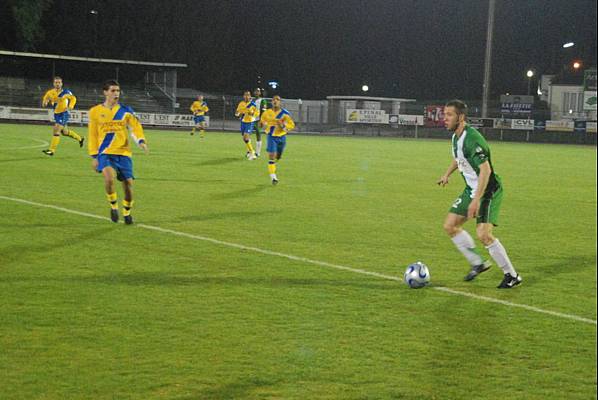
{"type": "Point", "coordinates": [206, 108]}
{"type": "Point", "coordinates": [286, 123]}
{"type": "Point", "coordinates": [72, 101]}
{"type": "Point", "coordinates": [136, 131]}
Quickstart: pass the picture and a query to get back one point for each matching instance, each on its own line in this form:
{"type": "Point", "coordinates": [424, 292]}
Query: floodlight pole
{"type": "Point", "coordinates": [488, 59]}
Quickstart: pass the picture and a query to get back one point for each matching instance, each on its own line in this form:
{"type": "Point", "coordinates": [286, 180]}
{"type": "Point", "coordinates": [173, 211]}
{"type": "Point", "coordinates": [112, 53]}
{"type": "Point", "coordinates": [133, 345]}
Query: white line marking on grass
{"type": "Point", "coordinates": [310, 261]}
{"type": "Point", "coordinates": [37, 146]}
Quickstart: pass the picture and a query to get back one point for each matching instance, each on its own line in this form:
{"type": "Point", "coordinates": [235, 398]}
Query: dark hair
{"type": "Point", "coordinates": [459, 106]}
{"type": "Point", "coordinates": [57, 77]}
{"type": "Point", "coordinates": [109, 83]}
{"type": "Point", "coordinates": [247, 91]}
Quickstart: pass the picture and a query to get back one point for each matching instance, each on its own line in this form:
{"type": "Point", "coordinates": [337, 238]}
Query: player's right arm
{"type": "Point", "coordinates": [46, 99]}
{"type": "Point", "coordinates": [444, 179]}
{"type": "Point", "coordinates": [263, 120]}
{"type": "Point", "coordinates": [239, 109]}
{"type": "Point", "coordinates": [92, 138]}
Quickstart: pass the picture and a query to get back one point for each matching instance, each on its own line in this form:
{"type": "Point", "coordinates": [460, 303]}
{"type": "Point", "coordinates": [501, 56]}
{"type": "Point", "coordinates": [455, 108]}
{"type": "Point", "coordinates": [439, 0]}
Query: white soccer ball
{"type": "Point", "coordinates": [417, 275]}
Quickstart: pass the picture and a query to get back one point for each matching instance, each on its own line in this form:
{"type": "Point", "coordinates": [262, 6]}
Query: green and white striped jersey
{"type": "Point", "coordinates": [261, 103]}
{"type": "Point", "coordinates": [471, 150]}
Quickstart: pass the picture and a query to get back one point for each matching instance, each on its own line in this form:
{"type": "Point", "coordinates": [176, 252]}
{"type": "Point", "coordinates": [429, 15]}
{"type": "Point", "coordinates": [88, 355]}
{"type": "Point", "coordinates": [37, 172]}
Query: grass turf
{"type": "Point", "coordinates": [90, 309]}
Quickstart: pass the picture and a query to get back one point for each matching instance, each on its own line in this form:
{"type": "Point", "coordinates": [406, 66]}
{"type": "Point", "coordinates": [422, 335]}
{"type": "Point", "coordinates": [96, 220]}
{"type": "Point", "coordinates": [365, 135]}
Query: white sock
{"type": "Point", "coordinates": [272, 176]}
{"type": "Point", "coordinates": [258, 146]}
{"type": "Point", "coordinates": [499, 254]}
{"type": "Point", "coordinates": [466, 246]}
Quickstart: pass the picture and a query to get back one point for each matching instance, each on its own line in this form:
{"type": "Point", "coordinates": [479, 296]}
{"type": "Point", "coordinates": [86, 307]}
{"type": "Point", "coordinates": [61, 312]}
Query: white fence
{"type": "Point", "coordinates": [353, 116]}
{"type": "Point", "coordinates": [81, 117]}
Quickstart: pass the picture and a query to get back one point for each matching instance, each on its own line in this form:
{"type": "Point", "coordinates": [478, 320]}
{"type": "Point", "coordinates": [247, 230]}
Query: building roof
{"type": "Point", "coordinates": [90, 59]}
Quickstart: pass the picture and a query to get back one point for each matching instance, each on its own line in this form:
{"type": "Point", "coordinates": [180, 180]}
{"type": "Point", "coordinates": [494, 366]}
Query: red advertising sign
{"type": "Point", "coordinates": [434, 116]}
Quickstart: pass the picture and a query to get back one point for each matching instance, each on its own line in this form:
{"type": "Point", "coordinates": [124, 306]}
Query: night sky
{"type": "Point", "coordinates": [423, 49]}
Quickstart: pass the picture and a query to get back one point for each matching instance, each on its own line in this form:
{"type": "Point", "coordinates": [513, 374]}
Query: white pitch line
{"type": "Point", "coordinates": [37, 146]}
{"type": "Point", "coordinates": [310, 261]}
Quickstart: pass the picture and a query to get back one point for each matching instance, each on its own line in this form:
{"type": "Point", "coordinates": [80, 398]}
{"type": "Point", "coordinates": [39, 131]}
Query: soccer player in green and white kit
{"type": "Point", "coordinates": [261, 105]}
{"type": "Point", "coordinates": [481, 198]}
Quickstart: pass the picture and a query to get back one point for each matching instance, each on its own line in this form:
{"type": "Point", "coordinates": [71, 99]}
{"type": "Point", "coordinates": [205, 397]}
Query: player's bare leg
{"type": "Point", "coordinates": [464, 242]}
{"type": "Point", "coordinates": [247, 140]}
{"type": "Point", "coordinates": [499, 255]}
{"type": "Point", "coordinates": [272, 158]}
{"type": "Point", "coordinates": [128, 201]}
{"type": "Point", "coordinates": [109, 174]}
{"type": "Point", "coordinates": [65, 131]}
{"type": "Point", "coordinates": [56, 130]}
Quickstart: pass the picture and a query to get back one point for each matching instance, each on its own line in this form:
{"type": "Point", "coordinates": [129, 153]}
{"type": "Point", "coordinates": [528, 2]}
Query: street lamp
{"type": "Point", "coordinates": [576, 65]}
{"type": "Point", "coordinates": [365, 88]}
{"type": "Point", "coordinates": [95, 15]}
{"type": "Point", "coordinates": [529, 74]}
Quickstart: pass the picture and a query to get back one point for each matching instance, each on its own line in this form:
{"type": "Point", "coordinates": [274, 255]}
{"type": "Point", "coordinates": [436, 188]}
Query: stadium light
{"type": "Point", "coordinates": [576, 65]}
{"type": "Point", "coordinates": [94, 12]}
{"type": "Point", "coordinates": [568, 44]}
{"type": "Point", "coordinates": [365, 88]}
{"type": "Point", "coordinates": [530, 74]}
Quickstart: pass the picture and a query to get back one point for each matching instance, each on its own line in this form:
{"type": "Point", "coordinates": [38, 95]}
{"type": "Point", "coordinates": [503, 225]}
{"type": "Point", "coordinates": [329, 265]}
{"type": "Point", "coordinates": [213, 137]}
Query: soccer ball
{"type": "Point", "coordinates": [417, 275]}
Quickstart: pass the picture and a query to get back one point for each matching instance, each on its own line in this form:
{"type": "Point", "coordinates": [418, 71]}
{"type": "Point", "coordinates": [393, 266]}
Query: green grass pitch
{"type": "Point", "coordinates": [95, 310]}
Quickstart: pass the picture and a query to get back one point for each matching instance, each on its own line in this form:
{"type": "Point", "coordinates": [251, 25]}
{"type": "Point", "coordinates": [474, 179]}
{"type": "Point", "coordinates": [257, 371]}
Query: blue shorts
{"type": "Point", "coordinates": [276, 144]}
{"type": "Point", "coordinates": [61, 118]}
{"type": "Point", "coordinates": [123, 165]}
{"type": "Point", "coordinates": [198, 119]}
{"type": "Point", "coordinates": [247, 127]}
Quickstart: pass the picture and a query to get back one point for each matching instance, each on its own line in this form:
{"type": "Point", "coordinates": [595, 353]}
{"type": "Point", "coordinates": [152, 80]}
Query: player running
{"type": "Point", "coordinates": [481, 198]}
{"type": "Point", "coordinates": [109, 127]}
{"type": "Point", "coordinates": [262, 105]}
{"type": "Point", "coordinates": [63, 101]}
{"type": "Point", "coordinates": [247, 112]}
{"type": "Point", "coordinates": [277, 122]}
{"type": "Point", "coordinates": [199, 108]}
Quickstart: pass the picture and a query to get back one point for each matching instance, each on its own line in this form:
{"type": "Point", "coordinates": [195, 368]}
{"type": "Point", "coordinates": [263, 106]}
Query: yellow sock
{"type": "Point", "coordinates": [112, 199]}
{"type": "Point", "coordinates": [249, 146]}
{"type": "Point", "coordinates": [127, 205]}
{"type": "Point", "coordinates": [193, 130]}
{"type": "Point", "coordinates": [54, 143]}
{"type": "Point", "coordinates": [272, 167]}
{"type": "Point", "coordinates": [202, 133]}
{"type": "Point", "coordinates": [71, 133]}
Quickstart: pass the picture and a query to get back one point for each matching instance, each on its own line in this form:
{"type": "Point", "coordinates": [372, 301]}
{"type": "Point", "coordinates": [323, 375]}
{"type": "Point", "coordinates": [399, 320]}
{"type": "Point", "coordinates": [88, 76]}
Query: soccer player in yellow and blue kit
{"type": "Point", "coordinates": [63, 101]}
{"type": "Point", "coordinates": [199, 108]}
{"type": "Point", "coordinates": [110, 124]}
{"type": "Point", "coordinates": [247, 112]}
{"type": "Point", "coordinates": [277, 122]}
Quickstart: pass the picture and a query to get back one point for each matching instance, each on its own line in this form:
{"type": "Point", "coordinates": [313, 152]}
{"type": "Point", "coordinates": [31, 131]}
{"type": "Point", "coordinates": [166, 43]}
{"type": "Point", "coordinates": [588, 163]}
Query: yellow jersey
{"type": "Point", "coordinates": [62, 100]}
{"type": "Point", "coordinates": [270, 119]}
{"type": "Point", "coordinates": [109, 130]}
{"type": "Point", "coordinates": [199, 109]}
{"type": "Point", "coordinates": [247, 111]}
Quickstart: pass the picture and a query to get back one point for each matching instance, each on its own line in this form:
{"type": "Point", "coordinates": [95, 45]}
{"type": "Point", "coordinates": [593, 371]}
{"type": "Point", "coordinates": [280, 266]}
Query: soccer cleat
{"type": "Point", "coordinates": [274, 181]}
{"type": "Point", "coordinates": [48, 152]}
{"type": "Point", "coordinates": [478, 269]}
{"type": "Point", "coordinates": [257, 155]}
{"type": "Point", "coordinates": [191, 133]}
{"type": "Point", "coordinates": [510, 281]}
{"type": "Point", "coordinates": [81, 142]}
{"type": "Point", "coordinates": [128, 219]}
{"type": "Point", "coordinates": [114, 215]}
